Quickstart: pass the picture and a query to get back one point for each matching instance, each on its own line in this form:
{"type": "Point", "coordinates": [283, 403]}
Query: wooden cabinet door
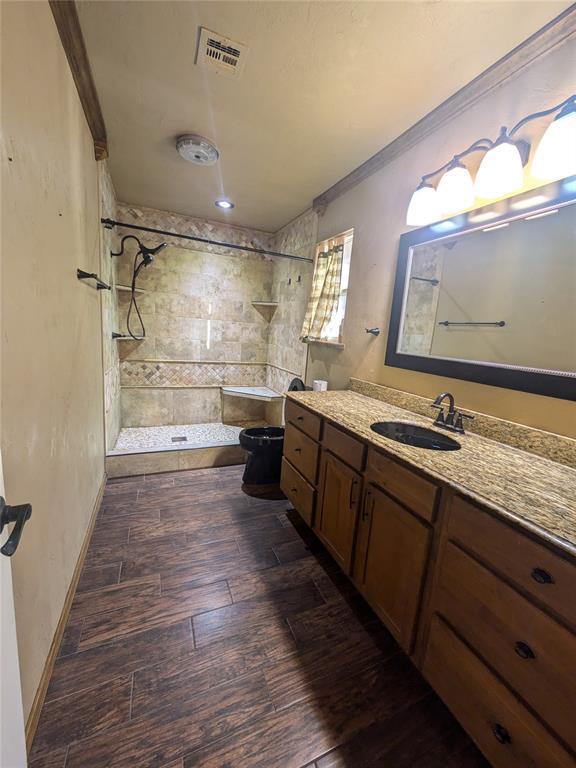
{"type": "Point", "coordinates": [391, 558]}
{"type": "Point", "coordinates": [335, 524]}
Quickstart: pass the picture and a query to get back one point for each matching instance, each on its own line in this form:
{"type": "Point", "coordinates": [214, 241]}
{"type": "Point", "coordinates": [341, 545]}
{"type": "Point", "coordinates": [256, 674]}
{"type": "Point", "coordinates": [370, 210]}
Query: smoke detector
{"type": "Point", "coordinates": [220, 54]}
{"type": "Point", "coordinates": [197, 149]}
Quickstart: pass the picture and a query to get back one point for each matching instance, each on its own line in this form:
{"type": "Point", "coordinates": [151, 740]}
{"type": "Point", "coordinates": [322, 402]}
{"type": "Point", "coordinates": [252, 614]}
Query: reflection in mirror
{"type": "Point", "coordinates": [503, 296]}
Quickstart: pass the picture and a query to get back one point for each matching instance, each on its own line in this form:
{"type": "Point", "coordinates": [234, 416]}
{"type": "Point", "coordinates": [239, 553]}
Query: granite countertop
{"type": "Point", "coordinates": [537, 493]}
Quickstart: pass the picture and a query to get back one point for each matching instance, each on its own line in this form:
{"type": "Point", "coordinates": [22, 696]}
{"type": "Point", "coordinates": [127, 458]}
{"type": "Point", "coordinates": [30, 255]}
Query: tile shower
{"type": "Point", "coordinates": [204, 330]}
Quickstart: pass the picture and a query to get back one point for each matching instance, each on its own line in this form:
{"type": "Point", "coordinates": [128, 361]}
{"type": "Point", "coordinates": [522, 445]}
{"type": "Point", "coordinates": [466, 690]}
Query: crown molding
{"type": "Point", "coordinates": [72, 39]}
{"type": "Point", "coordinates": [540, 43]}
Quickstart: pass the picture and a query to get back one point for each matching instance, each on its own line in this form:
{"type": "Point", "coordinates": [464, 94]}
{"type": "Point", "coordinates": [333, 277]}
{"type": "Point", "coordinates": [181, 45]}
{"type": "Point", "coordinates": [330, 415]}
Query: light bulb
{"type": "Point", "coordinates": [500, 171]}
{"type": "Point", "coordinates": [226, 205]}
{"type": "Point", "coordinates": [555, 156]}
{"type": "Point", "coordinates": [423, 208]}
{"type": "Point", "coordinates": [455, 190]}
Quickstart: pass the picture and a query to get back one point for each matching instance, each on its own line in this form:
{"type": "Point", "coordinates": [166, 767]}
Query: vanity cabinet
{"type": "Point", "coordinates": [484, 608]}
{"type": "Point", "coordinates": [505, 731]}
{"type": "Point", "coordinates": [502, 606]}
{"type": "Point", "coordinates": [338, 497]}
{"type": "Point", "coordinates": [390, 563]}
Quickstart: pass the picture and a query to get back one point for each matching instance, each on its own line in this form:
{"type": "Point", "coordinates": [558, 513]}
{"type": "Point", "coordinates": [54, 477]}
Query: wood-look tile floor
{"type": "Point", "coordinates": [211, 630]}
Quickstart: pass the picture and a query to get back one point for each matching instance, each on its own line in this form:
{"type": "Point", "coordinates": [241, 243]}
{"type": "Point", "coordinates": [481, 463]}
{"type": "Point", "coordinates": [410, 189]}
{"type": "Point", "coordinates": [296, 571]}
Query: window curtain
{"type": "Point", "coordinates": [325, 293]}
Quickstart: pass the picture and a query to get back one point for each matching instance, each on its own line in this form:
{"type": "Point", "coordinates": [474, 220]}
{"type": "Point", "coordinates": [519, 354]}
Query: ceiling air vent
{"type": "Point", "coordinates": [220, 54]}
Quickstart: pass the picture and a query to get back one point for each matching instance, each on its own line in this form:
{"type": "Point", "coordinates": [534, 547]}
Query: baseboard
{"type": "Point", "coordinates": [34, 716]}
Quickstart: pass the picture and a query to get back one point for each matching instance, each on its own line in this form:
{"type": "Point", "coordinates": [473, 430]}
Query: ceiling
{"type": "Point", "coordinates": [325, 86]}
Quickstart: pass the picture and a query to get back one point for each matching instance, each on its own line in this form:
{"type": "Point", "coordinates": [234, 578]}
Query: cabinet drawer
{"type": "Point", "coordinates": [508, 735]}
{"type": "Point", "coordinates": [302, 452]}
{"type": "Point", "coordinates": [408, 487]}
{"type": "Point", "coordinates": [543, 574]}
{"type": "Point", "coordinates": [347, 448]}
{"type": "Point", "coordinates": [298, 491]}
{"type": "Point", "coordinates": [305, 420]}
{"type": "Point", "coordinates": [531, 651]}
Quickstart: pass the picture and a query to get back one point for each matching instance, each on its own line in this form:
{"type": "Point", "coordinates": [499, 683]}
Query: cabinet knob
{"type": "Point", "coordinates": [541, 576]}
{"type": "Point", "coordinates": [299, 418]}
{"type": "Point", "coordinates": [297, 450]}
{"type": "Point", "coordinates": [501, 734]}
{"type": "Point", "coordinates": [523, 650]}
{"type": "Point", "coordinates": [293, 490]}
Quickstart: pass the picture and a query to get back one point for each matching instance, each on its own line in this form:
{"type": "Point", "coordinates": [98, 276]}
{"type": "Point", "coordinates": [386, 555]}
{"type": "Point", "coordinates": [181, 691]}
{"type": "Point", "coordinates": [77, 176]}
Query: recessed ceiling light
{"type": "Point", "coordinates": [226, 205]}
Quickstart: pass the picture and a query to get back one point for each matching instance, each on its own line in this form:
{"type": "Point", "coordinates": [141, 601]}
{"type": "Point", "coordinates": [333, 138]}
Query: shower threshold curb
{"type": "Point", "coordinates": [176, 447]}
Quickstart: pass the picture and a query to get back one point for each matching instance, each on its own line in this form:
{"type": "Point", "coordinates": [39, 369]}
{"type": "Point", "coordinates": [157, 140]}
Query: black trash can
{"type": "Point", "coordinates": [264, 447]}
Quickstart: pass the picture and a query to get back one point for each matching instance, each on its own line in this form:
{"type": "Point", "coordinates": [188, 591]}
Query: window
{"type": "Point", "coordinates": [333, 330]}
{"type": "Point", "coordinates": [327, 305]}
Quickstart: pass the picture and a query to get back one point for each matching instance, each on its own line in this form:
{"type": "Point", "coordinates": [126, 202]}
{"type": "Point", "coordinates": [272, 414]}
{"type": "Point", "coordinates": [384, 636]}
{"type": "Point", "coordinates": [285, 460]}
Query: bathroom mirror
{"type": "Point", "coordinates": [490, 296]}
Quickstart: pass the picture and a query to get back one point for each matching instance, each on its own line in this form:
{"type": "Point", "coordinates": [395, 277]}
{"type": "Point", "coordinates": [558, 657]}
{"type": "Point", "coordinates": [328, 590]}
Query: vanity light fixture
{"type": "Point", "coordinates": [424, 207]}
{"type": "Point", "coordinates": [455, 188]}
{"type": "Point", "coordinates": [501, 171]}
{"type": "Point", "coordinates": [225, 205]}
{"type": "Point", "coordinates": [522, 202]}
{"type": "Point", "coordinates": [555, 156]}
{"type": "Point", "coordinates": [541, 215]}
{"type": "Point", "coordinates": [496, 226]}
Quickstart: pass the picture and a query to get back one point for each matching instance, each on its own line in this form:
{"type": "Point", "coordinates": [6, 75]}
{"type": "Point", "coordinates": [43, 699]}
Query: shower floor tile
{"type": "Point", "coordinates": [170, 438]}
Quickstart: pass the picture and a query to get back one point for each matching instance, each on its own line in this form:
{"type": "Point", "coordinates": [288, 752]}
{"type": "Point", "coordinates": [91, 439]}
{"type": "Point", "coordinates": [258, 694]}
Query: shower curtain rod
{"type": "Point", "coordinates": [109, 223]}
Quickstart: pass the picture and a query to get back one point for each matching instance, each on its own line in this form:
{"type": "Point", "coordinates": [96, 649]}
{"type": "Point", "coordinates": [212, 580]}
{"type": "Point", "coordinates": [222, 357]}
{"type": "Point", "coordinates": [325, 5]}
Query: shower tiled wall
{"type": "Point", "coordinates": [202, 329]}
{"type": "Point", "coordinates": [111, 359]}
{"type": "Point", "coordinates": [292, 280]}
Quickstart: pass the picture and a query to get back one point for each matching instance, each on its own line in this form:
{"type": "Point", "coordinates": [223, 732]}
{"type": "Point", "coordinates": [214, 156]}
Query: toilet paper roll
{"type": "Point", "coordinates": [319, 385]}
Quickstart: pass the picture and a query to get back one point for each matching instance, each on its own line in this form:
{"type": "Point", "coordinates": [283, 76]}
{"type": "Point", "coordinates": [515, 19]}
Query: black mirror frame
{"type": "Point", "coordinates": [559, 194]}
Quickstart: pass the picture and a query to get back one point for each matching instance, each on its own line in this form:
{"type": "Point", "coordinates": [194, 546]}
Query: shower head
{"type": "Point", "coordinates": [149, 253]}
{"type": "Point", "coordinates": [153, 251]}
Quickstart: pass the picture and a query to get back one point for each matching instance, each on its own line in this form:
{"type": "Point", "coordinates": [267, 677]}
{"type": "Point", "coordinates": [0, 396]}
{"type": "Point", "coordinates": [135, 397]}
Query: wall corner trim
{"type": "Point", "coordinates": [68, 26]}
{"type": "Point", "coordinates": [36, 708]}
{"type": "Point", "coordinates": [541, 42]}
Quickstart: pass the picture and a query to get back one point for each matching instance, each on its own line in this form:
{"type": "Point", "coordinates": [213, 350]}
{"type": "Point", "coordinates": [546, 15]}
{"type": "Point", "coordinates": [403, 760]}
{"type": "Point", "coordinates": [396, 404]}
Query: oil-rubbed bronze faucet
{"type": "Point", "coordinates": [453, 420]}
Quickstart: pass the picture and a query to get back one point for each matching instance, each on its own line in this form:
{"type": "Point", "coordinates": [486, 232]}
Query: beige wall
{"type": "Point", "coordinates": [52, 399]}
{"type": "Point", "coordinates": [376, 209]}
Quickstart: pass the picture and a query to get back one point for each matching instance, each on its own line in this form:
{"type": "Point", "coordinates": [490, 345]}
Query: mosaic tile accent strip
{"type": "Point", "coordinates": [141, 373]}
{"type": "Point", "coordinates": [554, 447]}
{"type": "Point", "coordinates": [189, 225]}
{"type": "Point", "coordinates": [145, 439]}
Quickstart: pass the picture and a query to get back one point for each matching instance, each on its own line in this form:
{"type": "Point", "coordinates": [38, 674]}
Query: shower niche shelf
{"type": "Point", "coordinates": [129, 289]}
{"type": "Point", "coordinates": [266, 309]}
{"type": "Point", "coordinates": [253, 393]}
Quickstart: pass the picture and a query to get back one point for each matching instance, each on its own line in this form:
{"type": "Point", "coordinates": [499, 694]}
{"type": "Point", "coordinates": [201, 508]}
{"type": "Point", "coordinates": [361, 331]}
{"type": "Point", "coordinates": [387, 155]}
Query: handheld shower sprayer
{"type": "Point", "coordinates": [149, 253]}
{"type": "Point", "coordinates": [147, 258]}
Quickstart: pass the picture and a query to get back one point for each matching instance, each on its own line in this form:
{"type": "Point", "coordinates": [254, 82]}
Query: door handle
{"type": "Point", "coordinates": [19, 515]}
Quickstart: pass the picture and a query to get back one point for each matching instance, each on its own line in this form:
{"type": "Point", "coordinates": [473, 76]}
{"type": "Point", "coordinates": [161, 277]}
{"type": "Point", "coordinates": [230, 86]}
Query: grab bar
{"type": "Point", "coordinates": [494, 324]}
